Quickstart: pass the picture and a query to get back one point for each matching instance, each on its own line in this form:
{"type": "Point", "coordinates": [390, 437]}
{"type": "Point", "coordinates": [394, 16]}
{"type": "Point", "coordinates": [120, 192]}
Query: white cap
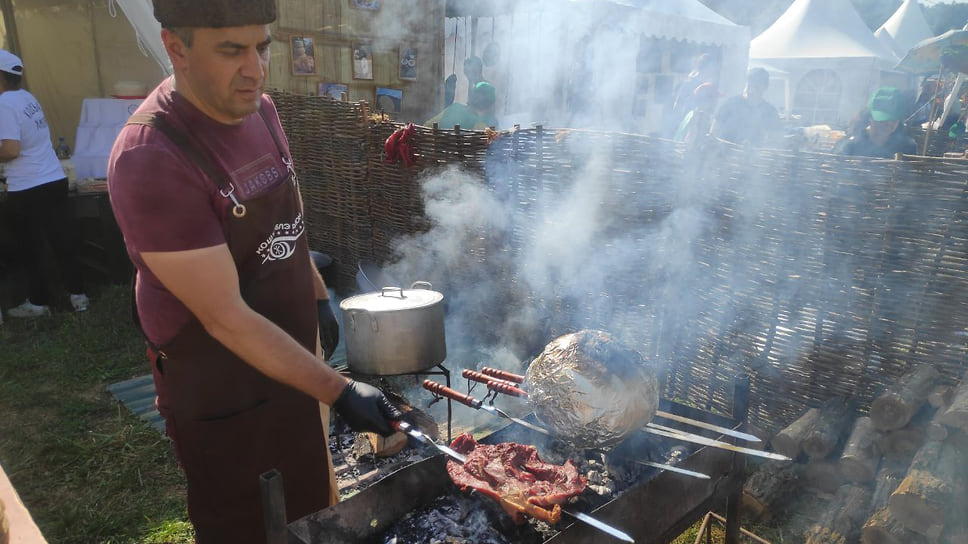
{"type": "Point", "coordinates": [11, 63]}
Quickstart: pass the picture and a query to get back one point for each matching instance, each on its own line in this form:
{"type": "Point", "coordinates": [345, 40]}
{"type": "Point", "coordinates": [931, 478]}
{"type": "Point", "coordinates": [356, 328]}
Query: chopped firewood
{"type": "Point", "coordinates": [888, 478]}
{"type": "Point", "coordinates": [858, 462]}
{"type": "Point", "coordinates": [895, 407]}
{"type": "Point", "coordinates": [935, 480]}
{"type": "Point", "coordinates": [844, 517]}
{"type": "Point", "coordinates": [956, 415]}
{"type": "Point", "coordinates": [884, 528]}
{"type": "Point", "coordinates": [935, 429]}
{"type": "Point", "coordinates": [941, 395]}
{"type": "Point", "coordinates": [901, 444]}
{"type": "Point", "coordinates": [823, 476]}
{"type": "Point", "coordinates": [787, 442]}
{"type": "Point", "coordinates": [829, 429]}
{"type": "Point", "coordinates": [770, 488]}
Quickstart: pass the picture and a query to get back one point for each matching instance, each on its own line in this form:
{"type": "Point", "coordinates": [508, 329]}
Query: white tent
{"type": "Point", "coordinates": [833, 59]}
{"type": "Point", "coordinates": [907, 26]}
{"type": "Point", "coordinates": [618, 54]}
{"type": "Point", "coordinates": [885, 38]}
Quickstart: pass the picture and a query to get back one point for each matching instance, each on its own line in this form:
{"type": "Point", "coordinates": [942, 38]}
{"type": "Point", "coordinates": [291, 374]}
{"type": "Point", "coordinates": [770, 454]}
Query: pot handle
{"type": "Point", "coordinates": [352, 320]}
{"type": "Point", "coordinates": [422, 285]}
{"type": "Point", "coordinates": [383, 292]}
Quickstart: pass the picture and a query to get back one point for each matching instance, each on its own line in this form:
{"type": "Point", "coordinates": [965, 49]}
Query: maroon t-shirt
{"type": "Point", "coordinates": [164, 202]}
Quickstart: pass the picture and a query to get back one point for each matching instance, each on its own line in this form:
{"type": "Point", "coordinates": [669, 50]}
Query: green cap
{"type": "Point", "coordinates": [885, 104]}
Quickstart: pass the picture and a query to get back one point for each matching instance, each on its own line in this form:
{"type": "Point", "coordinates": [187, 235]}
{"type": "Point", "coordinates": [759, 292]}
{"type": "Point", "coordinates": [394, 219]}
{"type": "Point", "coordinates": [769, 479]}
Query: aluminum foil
{"type": "Point", "coordinates": [591, 390]}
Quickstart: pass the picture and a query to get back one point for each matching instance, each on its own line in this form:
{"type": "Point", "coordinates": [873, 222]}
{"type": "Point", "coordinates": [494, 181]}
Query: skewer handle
{"type": "Point", "coordinates": [447, 392]}
{"type": "Point", "coordinates": [483, 378]}
{"type": "Point", "coordinates": [502, 375]}
{"type": "Point", "coordinates": [503, 387]}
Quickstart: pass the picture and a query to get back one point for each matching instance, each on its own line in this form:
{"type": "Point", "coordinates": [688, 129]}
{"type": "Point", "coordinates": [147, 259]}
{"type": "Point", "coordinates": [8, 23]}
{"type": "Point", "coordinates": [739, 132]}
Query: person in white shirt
{"type": "Point", "coordinates": [36, 193]}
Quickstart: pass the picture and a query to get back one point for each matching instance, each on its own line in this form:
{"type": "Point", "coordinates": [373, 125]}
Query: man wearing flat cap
{"type": "Point", "coordinates": [233, 312]}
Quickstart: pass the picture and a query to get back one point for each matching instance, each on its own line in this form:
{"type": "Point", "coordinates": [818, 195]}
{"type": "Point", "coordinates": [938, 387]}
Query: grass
{"type": "Point", "coordinates": [88, 470]}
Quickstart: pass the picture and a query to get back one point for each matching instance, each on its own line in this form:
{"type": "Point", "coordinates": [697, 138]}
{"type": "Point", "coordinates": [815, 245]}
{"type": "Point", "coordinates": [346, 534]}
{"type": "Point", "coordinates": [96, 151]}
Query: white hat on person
{"type": "Point", "coordinates": [11, 63]}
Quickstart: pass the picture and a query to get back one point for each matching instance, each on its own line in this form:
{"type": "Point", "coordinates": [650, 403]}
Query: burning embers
{"type": "Point", "coordinates": [514, 475]}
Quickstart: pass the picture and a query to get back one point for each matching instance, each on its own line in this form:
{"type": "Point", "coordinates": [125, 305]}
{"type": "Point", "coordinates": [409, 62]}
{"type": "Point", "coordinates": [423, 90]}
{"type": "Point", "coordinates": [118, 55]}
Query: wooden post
{"type": "Point", "coordinates": [274, 507]}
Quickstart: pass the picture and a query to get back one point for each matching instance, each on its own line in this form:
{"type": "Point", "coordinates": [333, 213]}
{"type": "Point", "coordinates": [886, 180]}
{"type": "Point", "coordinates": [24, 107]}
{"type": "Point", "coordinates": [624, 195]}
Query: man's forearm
{"type": "Point", "coordinates": [270, 350]}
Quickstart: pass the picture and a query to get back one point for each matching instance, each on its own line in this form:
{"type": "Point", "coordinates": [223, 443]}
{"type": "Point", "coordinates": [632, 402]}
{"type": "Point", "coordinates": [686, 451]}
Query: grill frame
{"type": "Point", "coordinates": [673, 502]}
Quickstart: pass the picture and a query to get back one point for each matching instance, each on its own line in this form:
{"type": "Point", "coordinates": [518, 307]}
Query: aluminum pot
{"type": "Point", "coordinates": [395, 330]}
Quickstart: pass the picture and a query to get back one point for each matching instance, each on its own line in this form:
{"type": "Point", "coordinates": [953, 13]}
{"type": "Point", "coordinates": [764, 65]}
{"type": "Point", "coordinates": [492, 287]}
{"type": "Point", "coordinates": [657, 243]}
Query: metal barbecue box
{"type": "Point", "coordinates": [655, 508]}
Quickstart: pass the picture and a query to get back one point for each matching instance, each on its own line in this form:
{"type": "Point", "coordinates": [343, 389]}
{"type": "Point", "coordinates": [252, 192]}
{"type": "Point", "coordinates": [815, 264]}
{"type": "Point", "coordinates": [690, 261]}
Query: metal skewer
{"type": "Point", "coordinates": [468, 400]}
{"type": "Point", "coordinates": [405, 427]}
{"type": "Point", "coordinates": [513, 379]}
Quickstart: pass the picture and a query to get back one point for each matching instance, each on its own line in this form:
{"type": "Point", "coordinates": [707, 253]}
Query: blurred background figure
{"type": "Point", "coordinates": [748, 117]}
{"type": "Point", "coordinates": [885, 134]}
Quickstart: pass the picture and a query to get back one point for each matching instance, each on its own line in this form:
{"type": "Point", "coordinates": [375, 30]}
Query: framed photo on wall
{"type": "Point", "coordinates": [303, 56]}
{"type": "Point", "coordinates": [408, 64]}
{"type": "Point", "coordinates": [362, 61]}
{"type": "Point", "coordinates": [372, 5]}
{"type": "Point", "coordinates": [336, 91]}
{"type": "Point", "coordinates": [389, 100]}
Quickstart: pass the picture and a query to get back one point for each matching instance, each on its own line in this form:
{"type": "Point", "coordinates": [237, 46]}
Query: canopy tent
{"type": "Point", "coordinates": [596, 45]}
{"type": "Point", "coordinates": [147, 29]}
{"type": "Point", "coordinates": [833, 59]}
{"type": "Point", "coordinates": [907, 26]}
{"type": "Point", "coordinates": [888, 42]}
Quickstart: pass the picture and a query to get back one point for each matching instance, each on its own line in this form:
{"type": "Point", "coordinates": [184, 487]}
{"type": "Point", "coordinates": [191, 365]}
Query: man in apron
{"type": "Point", "coordinates": [204, 191]}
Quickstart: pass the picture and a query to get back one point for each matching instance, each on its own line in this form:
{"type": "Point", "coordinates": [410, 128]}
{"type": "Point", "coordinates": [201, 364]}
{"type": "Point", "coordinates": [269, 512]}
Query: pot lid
{"type": "Point", "coordinates": [391, 299]}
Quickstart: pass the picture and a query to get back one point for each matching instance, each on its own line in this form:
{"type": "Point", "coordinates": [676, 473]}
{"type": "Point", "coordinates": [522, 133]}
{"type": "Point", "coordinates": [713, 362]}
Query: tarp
{"type": "Point", "coordinates": [819, 29]}
{"type": "Point", "coordinates": [907, 26]}
{"type": "Point", "coordinates": [148, 30]}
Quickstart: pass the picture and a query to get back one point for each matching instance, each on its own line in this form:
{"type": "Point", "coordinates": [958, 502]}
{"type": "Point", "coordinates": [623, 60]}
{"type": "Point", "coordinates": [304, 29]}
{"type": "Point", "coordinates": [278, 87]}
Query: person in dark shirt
{"type": "Point", "coordinates": [885, 135]}
{"type": "Point", "coordinates": [748, 118]}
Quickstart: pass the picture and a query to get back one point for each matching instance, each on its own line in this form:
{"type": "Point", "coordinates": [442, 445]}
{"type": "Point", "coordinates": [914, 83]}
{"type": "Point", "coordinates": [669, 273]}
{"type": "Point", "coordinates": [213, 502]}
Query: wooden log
{"type": "Point", "coordinates": [940, 396]}
{"type": "Point", "coordinates": [844, 517]}
{"type": "Point", "coordinates": [828, 431]}
{"type": "Point", "coordinates": [895, 407]}
{"type": "Point", "coordinates": [936, 430]}
{"type": "Point", "coordinates": [900, 444]}
{"type": "Point", "coordinates": [956, 415]}
{"type": "Point", "coordinates": [933, 482]}
{"type": "Point", "coordinates": [859, 461]}
{"type": "Point", "coordinates": [787, 442]}
{"type": "Point", "coordinates": [823, 476]}
{"type": "Point", "coordinates": [888, 478]}
{"type": "Point", "coordinates": [770, 489]}
{"type": "Point", "coordinates": [884, 528]}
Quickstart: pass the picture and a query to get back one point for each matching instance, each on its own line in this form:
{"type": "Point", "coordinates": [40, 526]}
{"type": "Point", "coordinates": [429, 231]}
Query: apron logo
{"type": "Point", "coordinates": [282, 243]}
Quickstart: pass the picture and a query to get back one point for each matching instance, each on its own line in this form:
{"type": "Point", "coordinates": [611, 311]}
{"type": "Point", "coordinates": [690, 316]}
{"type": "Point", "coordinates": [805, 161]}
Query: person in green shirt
{"type": "Point", "coordinates": [478, 114]}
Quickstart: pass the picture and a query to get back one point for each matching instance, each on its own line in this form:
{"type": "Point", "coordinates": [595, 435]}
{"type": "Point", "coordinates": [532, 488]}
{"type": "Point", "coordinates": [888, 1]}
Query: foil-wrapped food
{"type": "Point", "coordinates": [592, 390]}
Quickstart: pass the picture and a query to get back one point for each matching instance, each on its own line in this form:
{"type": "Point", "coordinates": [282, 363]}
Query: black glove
{"type": "Point", "coordinates": [365, 408]}
{"type": "Point", "coordinates": [328, 328]}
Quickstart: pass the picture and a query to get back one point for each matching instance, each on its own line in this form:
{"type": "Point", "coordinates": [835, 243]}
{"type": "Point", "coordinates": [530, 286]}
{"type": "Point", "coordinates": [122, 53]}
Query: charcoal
{"type": "Point", "coordinates": [459, 518]}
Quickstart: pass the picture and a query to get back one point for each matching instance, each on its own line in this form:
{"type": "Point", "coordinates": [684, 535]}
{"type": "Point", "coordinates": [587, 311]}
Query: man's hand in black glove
{"type": "Point", "coordinates": [365, 408]}
{"type": "Point", "coordinates": [328, 327]}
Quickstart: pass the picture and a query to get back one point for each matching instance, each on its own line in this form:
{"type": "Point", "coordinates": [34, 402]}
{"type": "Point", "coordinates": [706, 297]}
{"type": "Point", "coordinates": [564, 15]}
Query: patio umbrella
{"type": "Point", "coordinates": [948, 51]}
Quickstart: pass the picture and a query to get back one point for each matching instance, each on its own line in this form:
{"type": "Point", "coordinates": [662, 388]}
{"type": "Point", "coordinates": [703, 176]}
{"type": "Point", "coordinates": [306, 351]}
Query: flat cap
{"type": "Point", "coordinates": [214, 13]}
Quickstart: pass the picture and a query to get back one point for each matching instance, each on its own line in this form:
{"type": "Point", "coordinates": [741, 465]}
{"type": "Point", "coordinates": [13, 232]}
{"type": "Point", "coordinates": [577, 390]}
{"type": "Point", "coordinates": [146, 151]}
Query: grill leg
{"type": "Point", "coordinates": [741, 404]}
{"type": "Point", "coordinates": [274, 507]}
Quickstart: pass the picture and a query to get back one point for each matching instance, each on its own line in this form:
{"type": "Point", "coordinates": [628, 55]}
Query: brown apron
{"type": "Point", "coordinates": [228, 421]}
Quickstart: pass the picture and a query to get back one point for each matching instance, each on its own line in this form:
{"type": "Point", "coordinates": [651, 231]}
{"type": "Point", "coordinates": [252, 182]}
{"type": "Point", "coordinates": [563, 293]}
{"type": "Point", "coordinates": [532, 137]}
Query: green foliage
{"type": "Point", "coordinates": [87, 469]}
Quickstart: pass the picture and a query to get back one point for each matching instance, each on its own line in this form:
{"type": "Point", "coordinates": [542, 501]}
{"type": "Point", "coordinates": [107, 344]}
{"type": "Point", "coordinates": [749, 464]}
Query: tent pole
{"type": "Point", "coordinates": [97, 51]}
{"type": "Point", "coordinates": [10, 25]}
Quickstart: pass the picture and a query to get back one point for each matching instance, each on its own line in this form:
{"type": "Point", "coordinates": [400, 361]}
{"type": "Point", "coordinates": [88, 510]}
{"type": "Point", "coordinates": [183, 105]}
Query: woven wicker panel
{"type": "Point", "coordinates": [816, 275]}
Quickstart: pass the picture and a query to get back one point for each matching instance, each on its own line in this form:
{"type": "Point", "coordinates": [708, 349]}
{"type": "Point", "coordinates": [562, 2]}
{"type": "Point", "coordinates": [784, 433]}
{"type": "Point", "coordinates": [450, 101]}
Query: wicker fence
{"type": "Point", "coordinates": [817, 275]}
